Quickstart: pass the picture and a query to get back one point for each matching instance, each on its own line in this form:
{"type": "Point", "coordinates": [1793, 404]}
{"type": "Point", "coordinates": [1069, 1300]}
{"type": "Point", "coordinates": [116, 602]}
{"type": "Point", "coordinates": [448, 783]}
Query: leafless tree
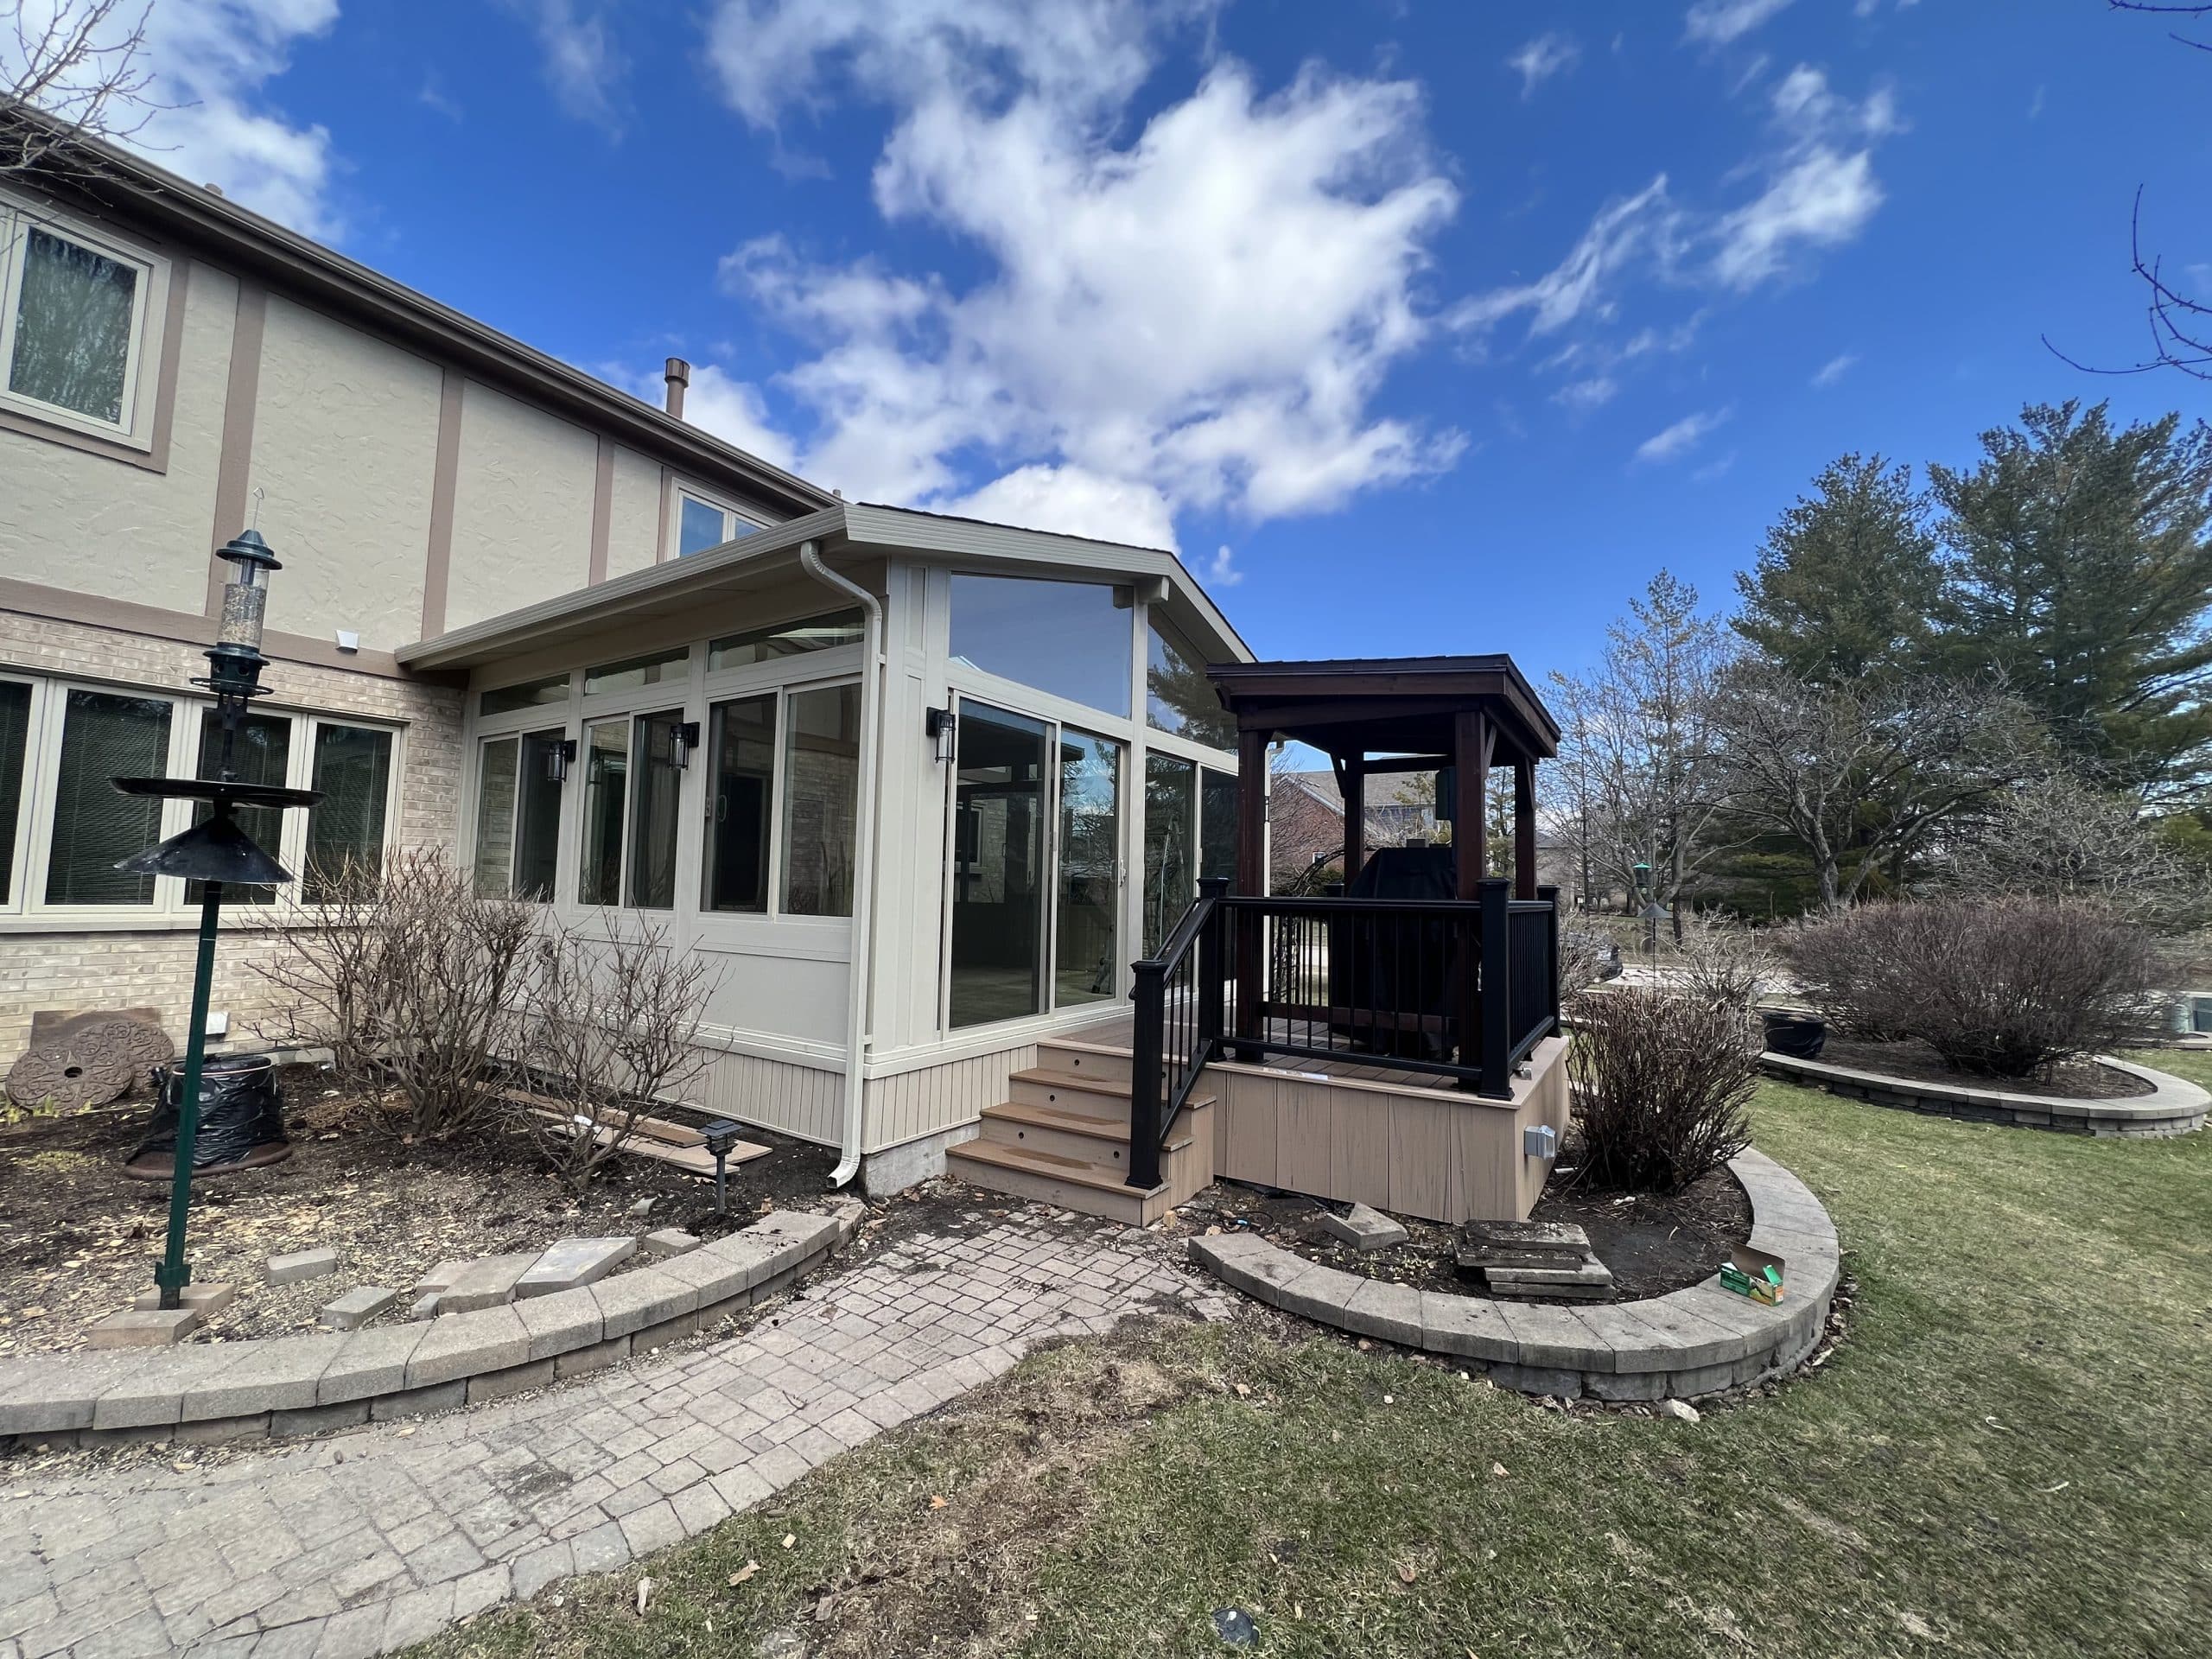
{"type": "Point", "coordinates": [610, 1026]}
{"type": "Point", "coordinates": [1641, 748]}
{"type": "Point", "coordinates": [2058, 837]}
{"type": "Point", "coordinates": [1862, 775]}
{"type": "Point", "coordinates": [2181, 328]}
{"type": "Point", "coordinates": [79, 65]}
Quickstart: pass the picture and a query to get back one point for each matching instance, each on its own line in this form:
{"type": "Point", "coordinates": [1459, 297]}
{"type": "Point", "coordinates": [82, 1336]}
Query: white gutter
{"type": "Point", "coordinates": [863, 948]}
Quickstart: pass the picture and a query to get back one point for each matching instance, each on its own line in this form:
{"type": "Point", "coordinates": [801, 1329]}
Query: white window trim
{"type": "Point", "coordinates": [26, 909]}
{"type": "Point", "coordinates": [684, 489]}
{"type": "Point", "coordinates": [149, 305]}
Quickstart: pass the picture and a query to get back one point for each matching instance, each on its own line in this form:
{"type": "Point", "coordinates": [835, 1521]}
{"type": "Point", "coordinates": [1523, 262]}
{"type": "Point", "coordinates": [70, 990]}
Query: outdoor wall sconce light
{"type": "Point", "coordinates": [722, 1140]}
{"type": "Point", "coordinates": [940, 725]}
{"type": "Point", "coordinates": [557, 757]}
{"type": "Point", "coordinates": [215, 852]}
{"type": "Point", "coordinates": [682, 739]}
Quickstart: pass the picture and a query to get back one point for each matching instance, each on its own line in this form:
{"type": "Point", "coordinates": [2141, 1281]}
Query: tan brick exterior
{"type": "Point", "coordinates": [70, 969]}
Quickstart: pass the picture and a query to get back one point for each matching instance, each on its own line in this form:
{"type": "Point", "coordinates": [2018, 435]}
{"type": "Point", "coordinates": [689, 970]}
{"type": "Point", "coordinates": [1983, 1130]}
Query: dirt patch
{"type": "Point", "coordinates": [1653, 1244]}
{"type": "Point", "coordinates": [2070, 1080]}
{"type": "Point", "coordinates": [78, 1240]}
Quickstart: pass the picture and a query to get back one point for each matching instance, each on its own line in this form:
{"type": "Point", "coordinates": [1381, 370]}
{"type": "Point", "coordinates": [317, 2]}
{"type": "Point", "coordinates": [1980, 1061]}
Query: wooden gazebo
{"type": "Point", "coordinates": [1393, 715]}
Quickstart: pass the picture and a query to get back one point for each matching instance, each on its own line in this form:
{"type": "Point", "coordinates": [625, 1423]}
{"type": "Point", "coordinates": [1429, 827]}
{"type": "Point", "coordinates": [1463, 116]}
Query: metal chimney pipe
{"type": "Point", "coordinates": [679, 376]}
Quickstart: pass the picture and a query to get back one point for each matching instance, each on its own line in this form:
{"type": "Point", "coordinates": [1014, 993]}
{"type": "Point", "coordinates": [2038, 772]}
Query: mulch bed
{"type": "Point", "coordinates": [2070, 1080]}
{"type": "Point", "coordinates": [1653, 1244]}
{"type": "Point", "coordinates": [78, 1240]}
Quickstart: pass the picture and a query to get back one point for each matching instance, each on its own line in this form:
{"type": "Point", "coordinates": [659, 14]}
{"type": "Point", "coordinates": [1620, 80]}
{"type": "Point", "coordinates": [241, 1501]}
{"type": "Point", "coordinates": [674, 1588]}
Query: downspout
{"type": "Point", "coordinates": [863, 951]}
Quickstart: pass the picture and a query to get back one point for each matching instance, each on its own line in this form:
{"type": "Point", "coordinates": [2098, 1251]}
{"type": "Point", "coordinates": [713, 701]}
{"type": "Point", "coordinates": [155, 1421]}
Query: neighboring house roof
{"type": "Point", "coordinates": [123, 183]}
{"type": "Point", "coordinates": [673, 590]}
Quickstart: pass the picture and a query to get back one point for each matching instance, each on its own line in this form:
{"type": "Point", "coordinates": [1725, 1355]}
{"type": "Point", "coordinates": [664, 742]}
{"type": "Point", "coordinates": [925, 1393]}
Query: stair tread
{"type": "Point", "coordinates": [1046, 1077]}
{"type": "Point", "coordinates": [1051, 1165]}
{"type": "Point", "coordinates": [1053, 1117]}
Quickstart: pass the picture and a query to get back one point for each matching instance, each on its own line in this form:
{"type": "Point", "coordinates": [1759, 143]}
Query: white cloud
{"type": "Point", "coordinates": [1594, 392]}
{"type": "Point", "coordinates": [1823, 198]}
{"type": "Point", "coordinates": [215, 122]}
{"type": "Point", "coordinates": [1076, 56]}
{"type": "Point", "coordinates": [1222, 572]}
{"type": "Point", "coordinates": [1833, 370]}
{"type": "Point", "coordinates": [1621, 231]}
{"type": "Point", "coordinates": [1196, 315]}
{"type": "Point", "coordinates": [1716, 22]}
{"type": "Point", "coordinates": [583, 64]}
{"type": "Point", "coordinates": [1542, 58]}
{"type": "Point", "coordinates": [1712, 470]}
{"type": "Point", "coordinates": [1074, 502]}
{"type": "Point", "coordinates": [1683, 437]}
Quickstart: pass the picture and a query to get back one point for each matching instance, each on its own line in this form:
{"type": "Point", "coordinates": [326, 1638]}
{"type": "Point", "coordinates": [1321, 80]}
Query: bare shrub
{"type": "Point", "coordinates": [2007, 986]}
{"type": "Point", "coordinates": [610, 1024]}
{"type": "Point", "coordinates": [1662, 1078]}
{"type": "Point", "coordinates": [412, 982]}
{"type": "Point", "coordinates": [1582, 958]}
{"type": "Point", "coordinates": [1724, 963]}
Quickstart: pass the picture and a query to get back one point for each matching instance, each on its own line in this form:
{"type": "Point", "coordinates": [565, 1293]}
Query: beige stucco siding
{"type": "Point", "coordinates": [64, 513]}
{"type": "Point", "coordinates": [633, 527]}
{"type": "Point", "coordinates": [522, 507]}
{"type": "Point", "coordinates": [345, 446]}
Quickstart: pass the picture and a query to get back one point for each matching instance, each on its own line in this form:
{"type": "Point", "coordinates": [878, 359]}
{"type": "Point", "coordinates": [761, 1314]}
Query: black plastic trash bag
{"type": "Point", "coordinates": [241, 1117]}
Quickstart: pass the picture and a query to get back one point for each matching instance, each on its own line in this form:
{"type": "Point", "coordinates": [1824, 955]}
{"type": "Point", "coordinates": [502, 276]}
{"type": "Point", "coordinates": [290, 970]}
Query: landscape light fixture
{"type": "Point", "coordinates": [722, 1140]}
{"type": "Point", "coordinates": [215, 852]}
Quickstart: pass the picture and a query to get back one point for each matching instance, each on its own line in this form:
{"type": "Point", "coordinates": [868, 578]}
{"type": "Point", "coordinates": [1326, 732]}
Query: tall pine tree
{"type": "Point", "coordinates": [2081, 570]}
{"type": "Point", "coordinates": [1848, 578]}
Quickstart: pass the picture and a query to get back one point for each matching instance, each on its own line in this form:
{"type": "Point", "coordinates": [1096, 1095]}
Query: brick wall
{"type": "Point", "coordinates": [65, 968]}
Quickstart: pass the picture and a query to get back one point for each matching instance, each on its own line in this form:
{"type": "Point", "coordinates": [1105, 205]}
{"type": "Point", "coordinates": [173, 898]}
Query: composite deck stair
{"type": "Point", "coordinates": [1063, 1138]}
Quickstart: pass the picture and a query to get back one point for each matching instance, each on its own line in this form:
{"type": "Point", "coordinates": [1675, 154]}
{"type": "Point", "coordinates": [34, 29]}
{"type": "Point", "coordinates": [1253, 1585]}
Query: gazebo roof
{"type": "Point", "coordinates": [1384, 705]}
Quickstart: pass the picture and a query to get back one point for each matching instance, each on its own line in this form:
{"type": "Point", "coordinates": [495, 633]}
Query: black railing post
{"type": "Point", "coordinates": [1212, 890]}
{"type": "Point", "coordinates": [1495, 893]}
{"type": "Point", "coordinates": [1550, 896]}
{"type": "Point", "coordinates": [1146, 1084]}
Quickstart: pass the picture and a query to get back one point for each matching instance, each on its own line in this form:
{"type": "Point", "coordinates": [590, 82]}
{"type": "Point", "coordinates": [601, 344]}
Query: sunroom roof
{"type": "Point", "coordinates": [767, 556]}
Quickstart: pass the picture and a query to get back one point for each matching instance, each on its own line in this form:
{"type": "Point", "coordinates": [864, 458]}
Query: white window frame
{"type": "Point", "coordinates": [150, 304]}
{"type": "Point", "coordinates": [26, 908]}
{"type": "Point", "coordinates": [731, 685]}
{"type": "Point", "coordinates": [687, 491]}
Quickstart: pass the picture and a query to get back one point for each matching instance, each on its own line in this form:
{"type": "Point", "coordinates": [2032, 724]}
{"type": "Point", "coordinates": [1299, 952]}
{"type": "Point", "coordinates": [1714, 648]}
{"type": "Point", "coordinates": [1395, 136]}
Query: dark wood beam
{"type": "Point", "coordinates": [1524, 829]}
{"type": "Point", "coordinates": [1471, 753]}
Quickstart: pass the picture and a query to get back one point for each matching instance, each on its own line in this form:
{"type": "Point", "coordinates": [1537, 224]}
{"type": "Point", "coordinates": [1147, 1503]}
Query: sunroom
{"type": "Point", "coordinates": [924, 787]}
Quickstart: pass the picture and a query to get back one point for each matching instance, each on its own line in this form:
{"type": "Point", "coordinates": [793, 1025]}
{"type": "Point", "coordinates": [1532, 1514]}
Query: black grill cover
{"type": "Point", "coordinates": [1397, 966]}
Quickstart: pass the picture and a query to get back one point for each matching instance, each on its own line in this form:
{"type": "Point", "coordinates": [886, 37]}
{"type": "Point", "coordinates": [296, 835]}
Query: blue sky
{"type": "Point", "coordinates": [1450, 323]}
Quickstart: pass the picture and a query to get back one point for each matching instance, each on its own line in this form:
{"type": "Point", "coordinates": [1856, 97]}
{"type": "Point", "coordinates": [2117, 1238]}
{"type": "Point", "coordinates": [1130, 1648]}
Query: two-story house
{"type": "Point", "coordinates": [923, 786]}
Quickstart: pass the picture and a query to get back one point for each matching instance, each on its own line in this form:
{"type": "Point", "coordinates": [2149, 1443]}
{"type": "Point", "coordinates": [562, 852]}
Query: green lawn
{"type": "Point", "coordinates": [2011, 1454]}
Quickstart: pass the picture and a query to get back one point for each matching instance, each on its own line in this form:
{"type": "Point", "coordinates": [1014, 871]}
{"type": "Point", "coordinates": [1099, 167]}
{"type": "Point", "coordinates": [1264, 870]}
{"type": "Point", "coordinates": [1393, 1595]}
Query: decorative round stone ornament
{"type": "Point", "coordinates": [62, 1077]}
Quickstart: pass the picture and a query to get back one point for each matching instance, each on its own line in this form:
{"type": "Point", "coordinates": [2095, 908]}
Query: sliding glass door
{"type": "Point", "coordinates": [1001, 795]}
{"type": "Point", "coordinates": [1036, 866]}
{"type": "Point", "coordinates": [1087, 925]}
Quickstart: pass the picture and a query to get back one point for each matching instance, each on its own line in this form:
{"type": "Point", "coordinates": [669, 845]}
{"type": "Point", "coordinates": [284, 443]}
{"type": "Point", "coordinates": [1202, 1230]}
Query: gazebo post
{"type": "Point", "coordinates": [1471, 749]}
{"type": "Point", "coordinates": [1352, 784]}
{"type": "Point", "coordinates": [1253, 783]}
{"type": "Point", "coordinates": [1525, 827]}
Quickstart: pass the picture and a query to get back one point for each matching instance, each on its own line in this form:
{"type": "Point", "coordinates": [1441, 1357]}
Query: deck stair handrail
{"type": "Point", "coordinates": [1462, 988]}
{"type": "Point", "coordinates": [1179, 1026]}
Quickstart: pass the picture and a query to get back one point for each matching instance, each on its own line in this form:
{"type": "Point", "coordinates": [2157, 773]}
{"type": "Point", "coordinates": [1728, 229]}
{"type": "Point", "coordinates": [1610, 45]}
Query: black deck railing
{"type": "Point", "coordinates": [1462, 989]}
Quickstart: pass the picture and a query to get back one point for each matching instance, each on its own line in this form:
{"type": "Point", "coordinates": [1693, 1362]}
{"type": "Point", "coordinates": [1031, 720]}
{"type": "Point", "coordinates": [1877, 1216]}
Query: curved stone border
{"type": "Point", "coordinates": [302, 1385]}
{"type": "Point", "coordinates": [1693, 1342]}
{"type": "Point", "coordinates": [2175, 1106]}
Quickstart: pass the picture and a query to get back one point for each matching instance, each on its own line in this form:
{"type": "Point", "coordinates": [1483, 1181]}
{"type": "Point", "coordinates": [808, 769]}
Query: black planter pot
{"type": "Point", "coordinates": [1800, 1036]}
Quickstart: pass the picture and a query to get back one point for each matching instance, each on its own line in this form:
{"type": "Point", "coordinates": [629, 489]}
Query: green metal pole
{"type": "Point", "coordinates": [174, 1273]}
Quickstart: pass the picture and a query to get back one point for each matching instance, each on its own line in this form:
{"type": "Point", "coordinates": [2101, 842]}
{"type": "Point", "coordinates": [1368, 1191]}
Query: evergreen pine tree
{"type": "Point", "coordinates": [2082, 571]}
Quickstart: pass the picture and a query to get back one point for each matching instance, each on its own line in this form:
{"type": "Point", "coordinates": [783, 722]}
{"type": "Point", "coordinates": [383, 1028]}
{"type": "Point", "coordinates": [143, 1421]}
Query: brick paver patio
{"type": "Point", "coordinates": [370, 1540]}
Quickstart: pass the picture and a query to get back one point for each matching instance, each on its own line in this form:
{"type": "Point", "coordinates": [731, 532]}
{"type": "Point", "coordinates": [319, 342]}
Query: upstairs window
{"type": "Point", "coordinates": [701, 523]}
{"type": "Point", "coordinates": [73, 318]}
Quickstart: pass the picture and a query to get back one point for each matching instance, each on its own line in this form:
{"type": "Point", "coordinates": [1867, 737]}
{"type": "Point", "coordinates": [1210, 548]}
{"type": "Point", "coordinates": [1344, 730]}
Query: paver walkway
{"type": "Point", "coordinates": [374, 1539]}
